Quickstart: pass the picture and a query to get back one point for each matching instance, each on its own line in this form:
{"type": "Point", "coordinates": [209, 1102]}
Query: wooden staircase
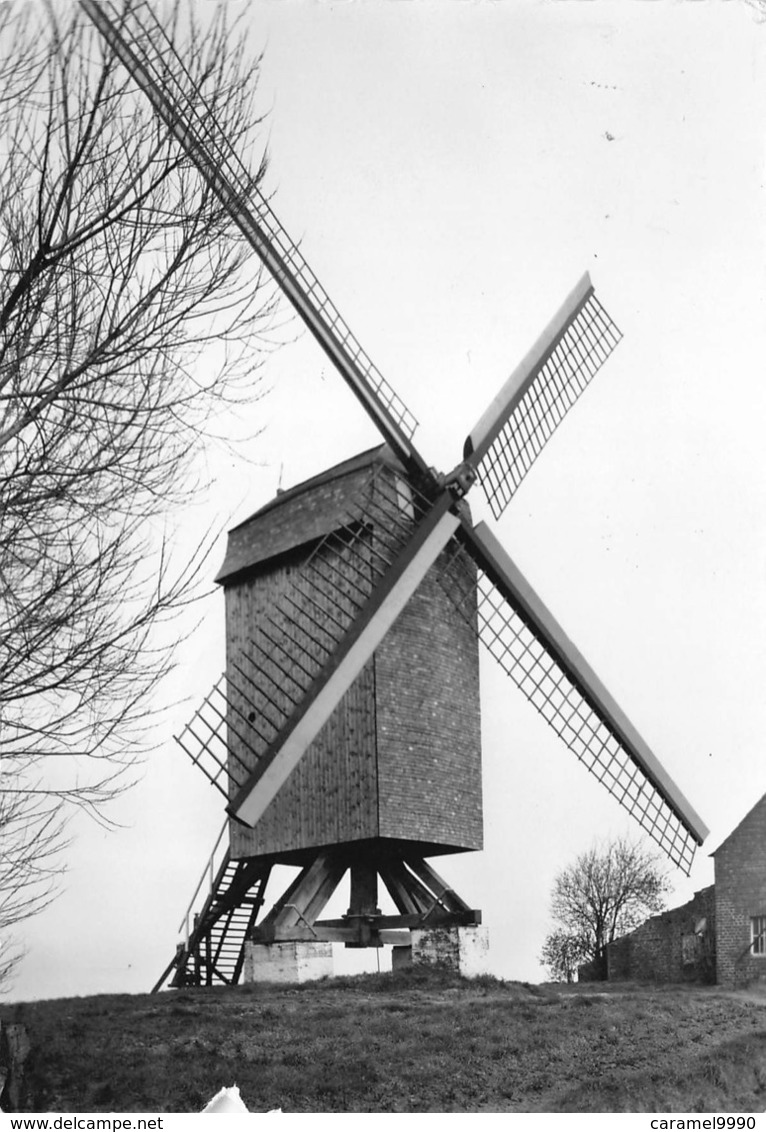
{"type": "Point", "coordinates": [213, 950]}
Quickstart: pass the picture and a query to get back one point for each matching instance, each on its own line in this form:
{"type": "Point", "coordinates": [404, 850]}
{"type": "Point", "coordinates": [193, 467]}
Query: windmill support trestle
{"type": "Point", "coordinates": [292, 944]}
{"type": "Point", "coordinates": [227, 943]}
{"type": "Point", "coordinates": [422, 899]}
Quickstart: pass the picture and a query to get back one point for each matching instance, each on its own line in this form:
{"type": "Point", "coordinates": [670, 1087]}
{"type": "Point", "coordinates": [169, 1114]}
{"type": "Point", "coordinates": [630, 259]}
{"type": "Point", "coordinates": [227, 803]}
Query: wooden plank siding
{"type": "Point", "coordinates": [331, 796]}
{"type": "Point", "coordinates": [400, 758]}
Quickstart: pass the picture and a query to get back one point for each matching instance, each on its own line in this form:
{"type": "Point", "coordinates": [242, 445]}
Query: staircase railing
{"type": "Point", "coordinates": [207, 878]}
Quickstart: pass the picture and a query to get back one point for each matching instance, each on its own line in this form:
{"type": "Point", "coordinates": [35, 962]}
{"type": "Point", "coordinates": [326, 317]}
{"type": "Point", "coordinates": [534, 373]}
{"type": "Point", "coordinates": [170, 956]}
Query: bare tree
{"type": "Point", "coordinates": [32, 836]}
{"type": "Point", "coordinates": [563, 953]}
{"type": "Point", "coordinates": [606, 892]}
{"type": "Point", "coordinates": [131, 316]}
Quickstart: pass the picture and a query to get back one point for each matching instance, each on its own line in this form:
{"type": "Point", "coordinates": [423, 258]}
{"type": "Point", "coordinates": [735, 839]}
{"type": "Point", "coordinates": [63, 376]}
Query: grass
{"type": "Point", "coordinates": [418, 1041]}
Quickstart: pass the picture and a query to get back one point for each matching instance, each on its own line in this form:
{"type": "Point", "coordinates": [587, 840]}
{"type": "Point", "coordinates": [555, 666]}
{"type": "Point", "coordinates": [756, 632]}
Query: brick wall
{"type": "Point", "coordinates": [740, 882]}
{"type": "Point", "coordinates": [669, 947]}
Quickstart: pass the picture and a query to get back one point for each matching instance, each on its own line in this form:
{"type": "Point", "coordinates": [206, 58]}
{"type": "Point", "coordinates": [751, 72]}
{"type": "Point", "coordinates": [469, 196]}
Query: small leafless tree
{"type": "Point", "coordinates": [563, 953]}
{"type": "Point", "coordinates": [607, 892]}
{"type": "Point", "coordinates": [131, 316]}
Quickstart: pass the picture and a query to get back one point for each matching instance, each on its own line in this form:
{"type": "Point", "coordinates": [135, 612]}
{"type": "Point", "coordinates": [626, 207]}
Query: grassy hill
{"type": "Point", "coordinates": [420, 1041]}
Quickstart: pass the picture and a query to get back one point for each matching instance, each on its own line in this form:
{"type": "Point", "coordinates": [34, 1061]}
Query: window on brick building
{"type": "Point", "coordinates": [758, 935]}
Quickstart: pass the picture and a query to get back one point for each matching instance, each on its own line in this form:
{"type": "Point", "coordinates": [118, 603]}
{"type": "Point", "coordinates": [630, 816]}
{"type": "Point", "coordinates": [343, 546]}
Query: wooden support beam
{"type": "Point", "coordinates": [420, 894]}
{"type": "Point", "coordinates": [307, 897]}
{"type": "Point", "coordinates": [411, 920]}
{"type": "Point", "coordinates": [363, 904]}
{"type": "Point", "coordinates": [406, 891]}
{"type": "Point", "coordinates": [359, 933]}
{"type": "Point", "coordinates": [285, 898]}
{"type": "Point", "coordinates": [364, 889]}
{"type": "Point", "coordinates": [441, 890]}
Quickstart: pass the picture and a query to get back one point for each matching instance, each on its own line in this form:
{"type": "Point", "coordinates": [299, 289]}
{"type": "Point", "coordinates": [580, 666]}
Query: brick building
{"type": "Point", "coordinates": [720, 935]}
{"type": "Point", "coordinates": [740, 897]}
{"type": "Point", "coordinates": [674, 946]}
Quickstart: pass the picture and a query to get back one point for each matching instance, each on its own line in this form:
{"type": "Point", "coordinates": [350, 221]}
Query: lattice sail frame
{"type": "Point", "coordinates": [553, 388]}
{"type": "Point", "coordinates": [191, 119]}
{"type": "Point", "coordinates": [512, 641]}
{"type": "Point", "coordinates": [246, 711]}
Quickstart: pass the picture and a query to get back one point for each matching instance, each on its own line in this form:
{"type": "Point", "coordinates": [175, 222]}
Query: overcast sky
{"type": "Point", "coordinates": [451, 169]}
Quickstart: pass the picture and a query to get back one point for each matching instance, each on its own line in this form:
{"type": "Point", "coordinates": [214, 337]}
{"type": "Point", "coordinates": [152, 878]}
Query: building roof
{"type": "Point", "coordinates": [745, 821]}
{"type": "Point", "coordinates": [303, 514]}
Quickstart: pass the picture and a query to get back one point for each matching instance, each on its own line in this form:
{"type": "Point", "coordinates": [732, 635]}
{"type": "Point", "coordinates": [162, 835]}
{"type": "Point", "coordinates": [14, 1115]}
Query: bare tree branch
{"type": "Point", "coordinates": [607, 892]}
{"type": "Point", "coordinates": [131, 315]}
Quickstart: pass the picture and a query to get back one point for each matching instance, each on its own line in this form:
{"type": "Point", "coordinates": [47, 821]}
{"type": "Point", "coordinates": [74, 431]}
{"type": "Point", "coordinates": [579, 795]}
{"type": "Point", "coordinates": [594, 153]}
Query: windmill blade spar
{"type": "Point", "coordinates": [536, 653]}
{"type": "Point", "coordinates": [534, 400]}
{"type": "Point", "coordinates": [141, 44]}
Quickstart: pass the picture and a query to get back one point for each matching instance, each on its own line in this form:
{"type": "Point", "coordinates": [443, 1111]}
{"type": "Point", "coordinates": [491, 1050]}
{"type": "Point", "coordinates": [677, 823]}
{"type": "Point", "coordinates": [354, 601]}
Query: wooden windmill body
{"type": "Point", "coordinates": [398, 765]}
{"type": "Point", "coordinates": [344, 732]}
{"type": "Point", "coordinates": [394, 776]}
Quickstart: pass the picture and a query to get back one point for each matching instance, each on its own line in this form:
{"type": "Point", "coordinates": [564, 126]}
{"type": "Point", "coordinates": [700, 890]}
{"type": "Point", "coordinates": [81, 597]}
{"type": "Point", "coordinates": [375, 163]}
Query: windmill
{"type": "Point", "coordinates": [321, 616]}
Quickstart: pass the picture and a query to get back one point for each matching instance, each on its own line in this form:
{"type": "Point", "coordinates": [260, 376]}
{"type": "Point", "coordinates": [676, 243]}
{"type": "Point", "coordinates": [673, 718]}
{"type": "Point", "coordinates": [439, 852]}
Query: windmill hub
{"type": "Point", "coordinates": [460, 480]}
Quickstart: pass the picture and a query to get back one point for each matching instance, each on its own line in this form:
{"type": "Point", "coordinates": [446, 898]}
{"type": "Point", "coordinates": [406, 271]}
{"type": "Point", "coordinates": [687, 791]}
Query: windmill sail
{"type": "Point", "coordinates": [532, 648]}
{"type": "Point", "coordinates": [140, 42]}
{"type": "Point", "coordinates": [539, 393]}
